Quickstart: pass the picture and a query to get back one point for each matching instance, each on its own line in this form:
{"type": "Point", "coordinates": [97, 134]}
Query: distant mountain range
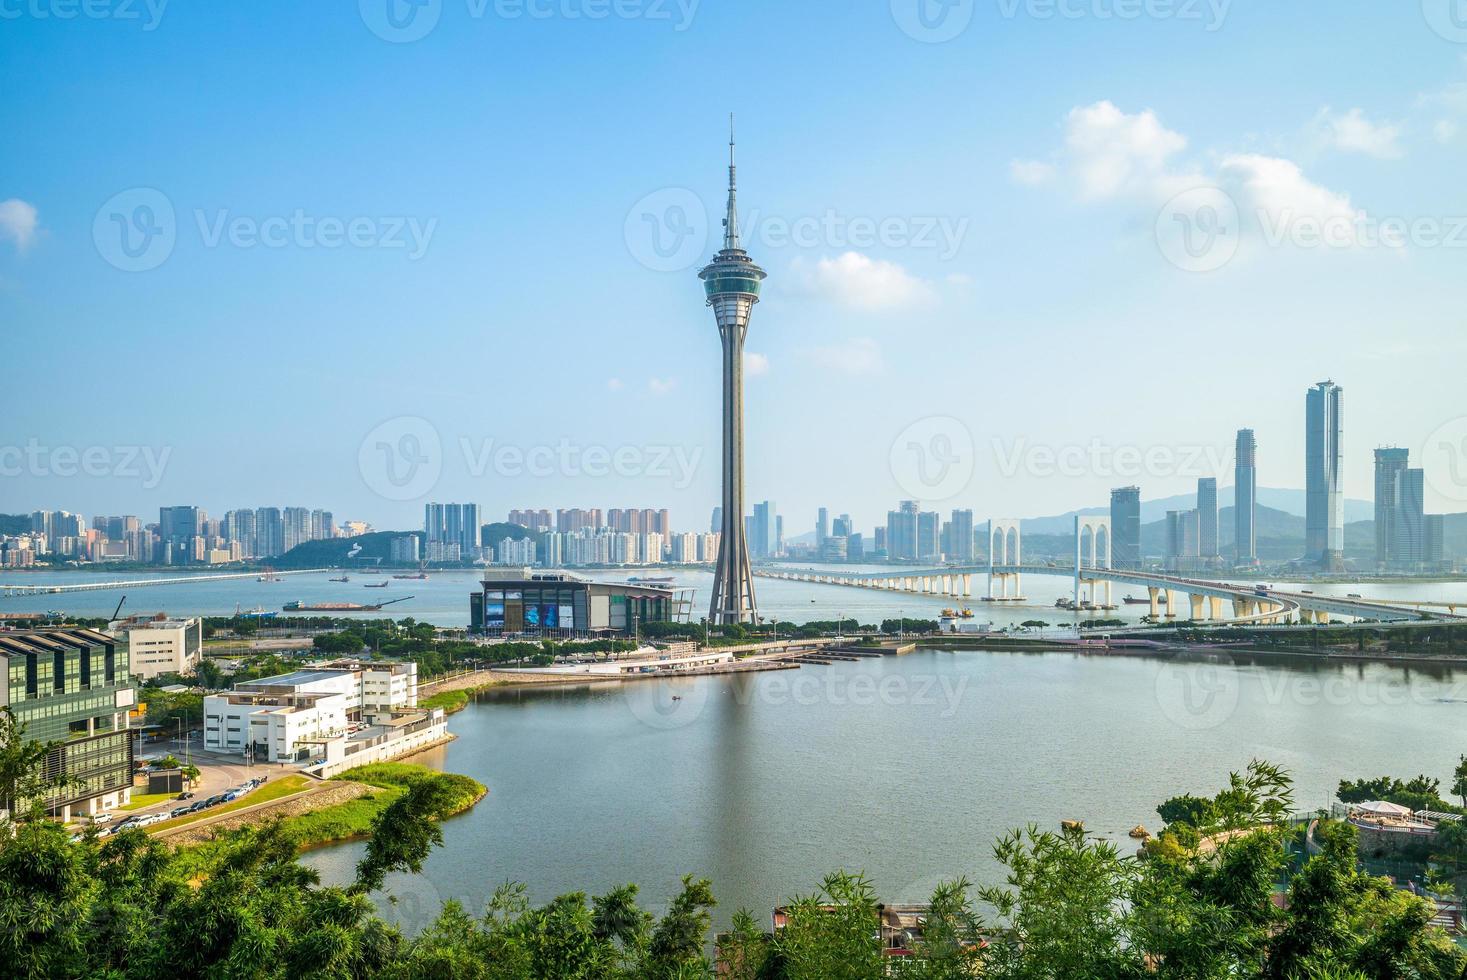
{"type": "Point", "coordinates": [1284, 500]}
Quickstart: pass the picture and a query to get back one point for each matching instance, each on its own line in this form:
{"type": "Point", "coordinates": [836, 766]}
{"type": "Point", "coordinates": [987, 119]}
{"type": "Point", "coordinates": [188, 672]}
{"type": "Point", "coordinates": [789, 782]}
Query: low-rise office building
{"type": "Point", "coordinates": [292, 717]}
{"type": "Point", "coordinates": [165, 646]}
{"type": "Point", "coordinates": [72, 686]}
{"type": "Point", "coordinates": [560, 604]}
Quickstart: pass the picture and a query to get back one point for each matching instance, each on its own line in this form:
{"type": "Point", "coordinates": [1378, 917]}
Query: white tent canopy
{"type": "Point", "coordinates": [1381, 808]}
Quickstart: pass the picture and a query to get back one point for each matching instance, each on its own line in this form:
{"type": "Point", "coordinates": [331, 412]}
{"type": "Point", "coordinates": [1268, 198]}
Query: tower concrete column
{"type": "Point", "coordinates": [1154, 592]}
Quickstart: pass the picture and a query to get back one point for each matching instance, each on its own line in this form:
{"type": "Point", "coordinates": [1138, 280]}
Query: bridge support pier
{"type": "Point", "coordinates": [1215, 610]}
{"type": "Point", "coordinates": [1171, 604]}
{"type": "Point", "coordinates": [1154, 592]}
{"type": "Point", "coordinates": [1196, 603]}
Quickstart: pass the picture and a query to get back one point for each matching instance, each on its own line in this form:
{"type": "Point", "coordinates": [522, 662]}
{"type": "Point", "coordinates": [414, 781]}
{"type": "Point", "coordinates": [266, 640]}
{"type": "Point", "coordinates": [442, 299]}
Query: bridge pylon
{"type": "Point", "coordinates": [1092, 551]}
{"type": "Point", "coordinates": [1005, 549]}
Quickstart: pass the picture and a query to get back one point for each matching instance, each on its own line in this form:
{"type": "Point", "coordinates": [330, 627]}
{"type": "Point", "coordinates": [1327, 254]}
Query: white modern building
{"type": "Point", "coordinates": [165, 646]}
{"type": "Point", "coordinates": [293, 717]}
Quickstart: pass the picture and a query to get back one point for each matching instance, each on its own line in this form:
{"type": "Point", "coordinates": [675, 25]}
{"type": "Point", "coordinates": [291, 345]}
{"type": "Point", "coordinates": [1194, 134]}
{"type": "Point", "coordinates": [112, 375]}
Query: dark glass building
{"type": "Point", "coordinates": [557, 604]}
{"type": "Point", "coordinates": [72, 686]}
{"type": "Point", "coordinates": [1125, 527]}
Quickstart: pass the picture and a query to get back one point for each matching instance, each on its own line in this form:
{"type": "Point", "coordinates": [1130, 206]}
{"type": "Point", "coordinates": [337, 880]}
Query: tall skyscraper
{"type": "Point", "coordinates": [960, 544]}
{"type": "Point", "coordinates": [1390, 462]}
{"type": "Point", "coordinates": [1245, 499]}
{"type": "Point", "coordinates": [764, 534]}
{"type": "Point", "coordinates": [1125, 527]}
{"type": "Point", "coordinates": [1408, 533]}
{"type": "Point", "coordinates": [1182, 539]}
{"type": "Point", "coordinates": [1324, 499]}
{"type": "Point", "coordinates": [822, 528]}
{"type": "Point", "coordinates": [901, 531]}
{"type": "Point", "coordinates": [731, 284]}
{"type": "Point", "coordinates": [269, 532]}
{"type": "Point", "coordinates": [1207, 518]}
{"type": "Point", "coordinates": [929, 534]}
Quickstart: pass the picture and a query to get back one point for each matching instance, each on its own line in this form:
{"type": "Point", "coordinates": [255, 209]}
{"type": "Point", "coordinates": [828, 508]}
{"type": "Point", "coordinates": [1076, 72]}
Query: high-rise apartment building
{"type": "Point", "coordinates": [1125, 527]}
{"type": "Point", "coordinates": [1207, 518]}
{"type": "Point", "coordinates": [1324, 499]}
{"type": "Point", "coordinates": [960, 536]}
{"type": "Point", "coordinates": [1390, 463]}
{"type": "Point", "coordinates": [1245, 499]}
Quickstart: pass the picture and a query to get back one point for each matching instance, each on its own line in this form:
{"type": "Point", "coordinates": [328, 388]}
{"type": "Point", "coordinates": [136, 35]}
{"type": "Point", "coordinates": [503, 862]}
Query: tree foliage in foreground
{"type": "Point", "coordinates": [1202, 903]}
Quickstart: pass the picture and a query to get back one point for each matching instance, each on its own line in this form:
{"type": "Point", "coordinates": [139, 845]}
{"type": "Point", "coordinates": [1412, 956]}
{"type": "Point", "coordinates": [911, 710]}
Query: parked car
{"type": "Point", "coordinates": [214, 800]}
{"type": "Point", "coordinates": [178, 811]}
{"type": "Point", "coordinates": [186, 795]}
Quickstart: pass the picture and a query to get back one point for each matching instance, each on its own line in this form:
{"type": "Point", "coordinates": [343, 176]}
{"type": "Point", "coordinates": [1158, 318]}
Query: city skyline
{"type": "Point", "coordinates": [1039, 229]}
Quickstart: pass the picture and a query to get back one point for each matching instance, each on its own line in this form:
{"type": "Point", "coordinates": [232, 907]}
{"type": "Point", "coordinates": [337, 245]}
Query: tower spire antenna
{"type": "Point", "coordinates": [731, 219]}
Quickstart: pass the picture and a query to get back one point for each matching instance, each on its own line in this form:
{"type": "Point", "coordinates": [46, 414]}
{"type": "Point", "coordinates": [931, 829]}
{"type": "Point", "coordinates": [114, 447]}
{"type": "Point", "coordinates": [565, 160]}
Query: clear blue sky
{"type": "Point", "coordinates": [532, 309]}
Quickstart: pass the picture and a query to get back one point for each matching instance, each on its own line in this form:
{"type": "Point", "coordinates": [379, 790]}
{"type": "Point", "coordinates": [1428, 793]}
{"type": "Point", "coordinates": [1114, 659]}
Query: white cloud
{"type": "Point", "coordinates": [18, 222]}
{"type": "Point", "coordinates": [858, 356]}
{"type": "Point", "coordinates": [1445, 130]}
{"type": "Point", "coordinates": [1112, 155]}
{"type": "Point", "coordinates": [1109, 152]}
{"type": "Point", "coordinates": [614, 384]}
{"type": "Point", "coordinates": [661, 386]}
{"type": "Point", "coordinates": [1278, 187]}
{"type": "Point", "coordinates": [755, 364]}
{"type": "Point", "coordinates": [1353, 133]}
{"type": "Point", "coordinates": [1031, 173]}
{"type": "Point", "coordinates": [860, 282]}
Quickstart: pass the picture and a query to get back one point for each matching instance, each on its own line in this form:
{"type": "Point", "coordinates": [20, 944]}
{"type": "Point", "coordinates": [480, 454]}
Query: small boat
{"type": "Point", "coordinates": [1131, 600]}
{"type": "Point", "coordinates": [376, 585]}
{"type": "Point", "coordinates": [343, 578]}
{"type": "Point", "coordinates": [1139, 832]}
{"type": "Point", "coordinates": [1072, 825]}
{"type": "Point", "coordinates": [420, 575]}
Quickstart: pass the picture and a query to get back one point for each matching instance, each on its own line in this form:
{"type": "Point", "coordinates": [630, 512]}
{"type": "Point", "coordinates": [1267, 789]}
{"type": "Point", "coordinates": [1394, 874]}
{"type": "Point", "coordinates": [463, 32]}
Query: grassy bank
{"type": "Point", "coordinates": [456, 700]}
{"type": "Point", "coordinates": [352, 819]}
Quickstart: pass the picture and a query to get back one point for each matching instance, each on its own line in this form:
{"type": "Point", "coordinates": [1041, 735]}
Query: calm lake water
{"type": "Point", "coordinates": [443, 598]}
{"type": "Point", "coordinates": [907, 768]}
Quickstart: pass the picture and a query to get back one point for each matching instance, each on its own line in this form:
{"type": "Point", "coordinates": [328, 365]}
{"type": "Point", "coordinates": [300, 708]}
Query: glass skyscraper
{"type": "Point", "coordinates": [1324, 499]}
{"type": "Point", "coordinates": [1125, 527]}
{"type": "Point", "coordinates": [1245, 498]}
